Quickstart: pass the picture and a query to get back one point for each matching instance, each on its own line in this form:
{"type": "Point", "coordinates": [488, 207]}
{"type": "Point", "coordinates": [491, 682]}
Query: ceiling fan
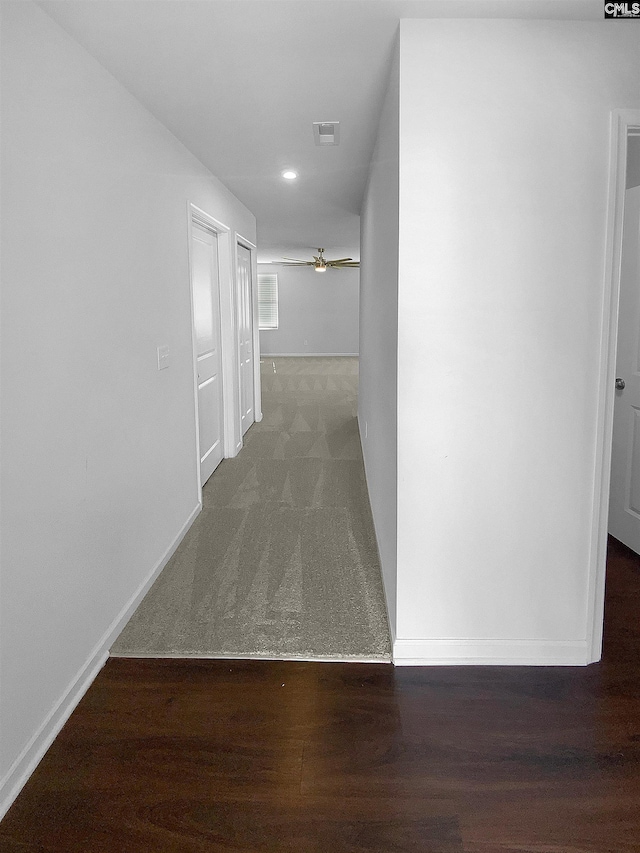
{"type": "Point", "coordinates": [320, 263]}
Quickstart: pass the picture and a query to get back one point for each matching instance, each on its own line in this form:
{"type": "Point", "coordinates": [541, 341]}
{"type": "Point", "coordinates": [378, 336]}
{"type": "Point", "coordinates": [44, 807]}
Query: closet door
{"type": "Point", "coordinates": [206, 322]}
{"type": "Point", "coordinates": [245, 336]}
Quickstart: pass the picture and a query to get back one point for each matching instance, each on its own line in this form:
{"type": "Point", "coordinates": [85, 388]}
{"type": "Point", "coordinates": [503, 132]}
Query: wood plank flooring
{"type": "Point", "coordinates": [256, 756]}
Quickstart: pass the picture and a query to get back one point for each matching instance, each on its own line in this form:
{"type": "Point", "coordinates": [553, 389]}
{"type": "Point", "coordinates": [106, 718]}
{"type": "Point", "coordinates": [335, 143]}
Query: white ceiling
{"type": "Point", "coordinates": [240, 82]}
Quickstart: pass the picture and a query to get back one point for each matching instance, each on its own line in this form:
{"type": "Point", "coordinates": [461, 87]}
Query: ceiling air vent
{"type": "Point", "coordinates": [326, 132]}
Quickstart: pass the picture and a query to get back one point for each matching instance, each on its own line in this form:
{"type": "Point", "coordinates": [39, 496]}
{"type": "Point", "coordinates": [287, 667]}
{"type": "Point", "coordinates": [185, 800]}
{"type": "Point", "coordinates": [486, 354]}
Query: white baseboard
{"type": "Point", "coordinates": [34, 751]}
{"type": "Point", "coordinates": [127, 611]}
{"type": "Point", "coordinates": [428, 652]}
{"type": "Point", "coordinates": [264, 355]}
{"type": "Point", "coordinates": [390, 621]}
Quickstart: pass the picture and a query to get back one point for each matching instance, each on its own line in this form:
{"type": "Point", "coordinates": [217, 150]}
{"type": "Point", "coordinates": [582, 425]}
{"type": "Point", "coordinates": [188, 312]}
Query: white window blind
{"type": "Point", "coordinates": [268, 301]}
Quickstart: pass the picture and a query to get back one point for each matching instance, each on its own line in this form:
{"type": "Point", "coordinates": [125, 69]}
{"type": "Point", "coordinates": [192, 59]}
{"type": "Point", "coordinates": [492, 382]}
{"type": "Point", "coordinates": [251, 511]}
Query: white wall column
{"type": "Point", "coordinates": [504, 147]}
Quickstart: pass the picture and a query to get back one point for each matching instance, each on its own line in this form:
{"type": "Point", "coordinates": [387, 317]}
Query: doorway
{"type": "Point", "coordinates": [625, 125]}
{"type": "Point", "coordinates": [245, 303]}
{"type": "Point", "coordinates": [624, 507]}
{"type": "Point", "coordinates": [205, 299]}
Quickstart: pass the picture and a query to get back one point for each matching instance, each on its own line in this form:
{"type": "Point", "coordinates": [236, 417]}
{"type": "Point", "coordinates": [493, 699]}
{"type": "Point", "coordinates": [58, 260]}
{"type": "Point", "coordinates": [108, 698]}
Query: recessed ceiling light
{"type": "Point", "coordinates": [289, 175]}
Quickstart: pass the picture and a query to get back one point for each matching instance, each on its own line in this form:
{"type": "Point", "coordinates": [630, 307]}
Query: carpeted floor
{"type": "Point", "coordinates": [282, 562]}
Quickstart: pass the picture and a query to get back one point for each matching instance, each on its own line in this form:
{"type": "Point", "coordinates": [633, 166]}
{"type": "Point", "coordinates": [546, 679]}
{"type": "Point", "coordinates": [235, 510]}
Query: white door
{"type": "Point", "coordinates": [206, 322]}
{"type": "Point", "coordinates": [624, 513]}
{"type": "Point", "coordinates": [245, 336]}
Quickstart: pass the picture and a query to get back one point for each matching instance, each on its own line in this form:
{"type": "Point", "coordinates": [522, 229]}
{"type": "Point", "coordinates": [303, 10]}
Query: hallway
{"type": "Point", "coordinates": [282, 561]}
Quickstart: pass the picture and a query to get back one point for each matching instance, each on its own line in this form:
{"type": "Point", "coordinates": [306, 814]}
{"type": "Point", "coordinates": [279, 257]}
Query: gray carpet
{"type": "Point", "coordinates": [282, 562]}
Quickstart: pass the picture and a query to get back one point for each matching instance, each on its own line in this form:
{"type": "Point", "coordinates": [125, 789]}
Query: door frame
{"type": "Point", "coordinates": [622, 121]}
{"type": "Point", "coordinates": [257, 388]}
{"type": "Point", "coordinates": [228, 355]}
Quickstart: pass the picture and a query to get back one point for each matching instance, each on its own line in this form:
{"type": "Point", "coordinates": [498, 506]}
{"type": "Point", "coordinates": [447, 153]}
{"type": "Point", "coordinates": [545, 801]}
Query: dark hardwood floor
{"type": "Point", "coordinates": [170, 755]}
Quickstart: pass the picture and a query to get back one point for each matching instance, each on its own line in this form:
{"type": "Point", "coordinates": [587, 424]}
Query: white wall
{"type": "Point", "coordinates": [377, 396]}
{"type": "Point", "coordinates": [503, 191]}
{"type": "Point", "coordinates": [318, 312]}
{"type": "Point", "coordinates": [98, 465]}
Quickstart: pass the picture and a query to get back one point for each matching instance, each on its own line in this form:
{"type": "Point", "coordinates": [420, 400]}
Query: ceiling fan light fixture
{"type": "Point", "coordinates": [289, 175]}
{"type": "Point", "coordinates": [320, 263]}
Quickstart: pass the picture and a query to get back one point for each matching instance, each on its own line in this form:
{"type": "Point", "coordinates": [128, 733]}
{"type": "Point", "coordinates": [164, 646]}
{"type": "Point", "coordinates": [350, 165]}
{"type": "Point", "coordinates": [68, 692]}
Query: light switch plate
{"type": "Point", "coordinates": [163, 358]}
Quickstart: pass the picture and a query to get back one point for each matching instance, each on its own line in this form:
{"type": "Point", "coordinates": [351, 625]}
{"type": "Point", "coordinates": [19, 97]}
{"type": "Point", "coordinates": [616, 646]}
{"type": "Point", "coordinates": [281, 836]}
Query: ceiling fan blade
{"type": "Point", "coordinates": [297, 260]}
{"type": "Point", "coordinates": [338, 260]}
{"type": "Point", "coordinates": [346, 265]}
